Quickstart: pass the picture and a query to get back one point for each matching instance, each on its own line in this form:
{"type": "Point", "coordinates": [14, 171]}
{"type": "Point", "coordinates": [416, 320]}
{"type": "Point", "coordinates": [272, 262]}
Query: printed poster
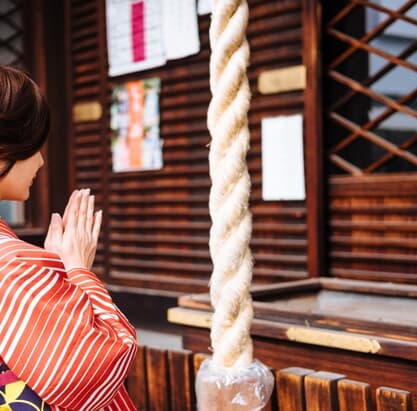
{"type": "Point", "coordinates": [136, 143]}
{"type": "Point", "coordinates": [143, 34]}
{"type": "Point", "coordinates": [134, 35]}
{"type": "Point", "coordinates": [180, 26]}
{"type": "Point", "coordinates": [283, 158]}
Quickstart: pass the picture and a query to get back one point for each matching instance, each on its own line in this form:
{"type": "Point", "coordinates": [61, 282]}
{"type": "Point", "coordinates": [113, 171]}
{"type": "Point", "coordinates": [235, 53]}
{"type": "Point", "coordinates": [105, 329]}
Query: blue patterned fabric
{"type": "Point", "coordinates": [15, 395]}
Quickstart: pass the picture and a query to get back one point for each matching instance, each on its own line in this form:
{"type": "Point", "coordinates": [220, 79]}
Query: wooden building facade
{"type": "Point", "coordinates": [359, 219]}
{"type": "Point", "coordinates": [156, 230]}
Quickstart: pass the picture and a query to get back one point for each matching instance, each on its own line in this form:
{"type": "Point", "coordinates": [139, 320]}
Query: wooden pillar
{"type": "Point", "coordinates": [105, 189]}
{"type": "Point", "coordinates": [37, 207]}
{"type": "Point", "coordinates": [313, 132]}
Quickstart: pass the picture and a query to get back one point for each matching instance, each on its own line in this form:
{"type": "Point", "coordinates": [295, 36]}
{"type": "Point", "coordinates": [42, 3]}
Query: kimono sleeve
{"type": "Point", "coordinates": [71, 349]}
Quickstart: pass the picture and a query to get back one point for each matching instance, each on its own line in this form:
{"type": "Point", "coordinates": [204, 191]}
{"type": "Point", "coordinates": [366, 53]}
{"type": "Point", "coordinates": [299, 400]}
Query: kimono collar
{"type": "Point", "coordinates": [6, 230]}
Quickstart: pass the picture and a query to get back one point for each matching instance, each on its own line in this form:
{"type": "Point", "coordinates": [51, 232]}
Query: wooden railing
{"type": "Point", "coordinates": [163, 380]}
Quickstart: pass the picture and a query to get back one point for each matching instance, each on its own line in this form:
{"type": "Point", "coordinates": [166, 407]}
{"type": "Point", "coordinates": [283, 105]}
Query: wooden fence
{"type": "Point", "coordinates": [163, 380]}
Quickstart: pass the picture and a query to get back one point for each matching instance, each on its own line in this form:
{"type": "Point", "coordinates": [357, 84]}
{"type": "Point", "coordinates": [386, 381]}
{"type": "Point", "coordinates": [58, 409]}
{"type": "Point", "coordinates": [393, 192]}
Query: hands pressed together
{"type": "Point", "coordinates": [74, 236]}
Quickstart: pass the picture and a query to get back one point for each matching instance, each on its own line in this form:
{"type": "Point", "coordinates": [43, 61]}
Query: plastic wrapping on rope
{"type": "Point", "coordinates": [238, 388]}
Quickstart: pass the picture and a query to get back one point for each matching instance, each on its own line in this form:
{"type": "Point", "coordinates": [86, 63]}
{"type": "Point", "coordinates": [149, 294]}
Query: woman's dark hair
{"type": "Point", "coordinates": [24, 117]}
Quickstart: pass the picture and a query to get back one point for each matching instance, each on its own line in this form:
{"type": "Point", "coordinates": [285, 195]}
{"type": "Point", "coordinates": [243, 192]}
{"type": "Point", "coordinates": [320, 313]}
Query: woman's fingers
{"type": "Point", "coordinates": [98, 217]}
{"type": "Point", "coordinates": [79, 233]}
{"type": "Point", "coordinates": [69, 206]}
{"type": "Point", "coordinates": [82, 211]}
{"type": "Point", "coordinates": [54, 236]}
{"type": "Point", "coordinates": [73, 209]}
{"type": "Point", "coordinates": [90, 214]}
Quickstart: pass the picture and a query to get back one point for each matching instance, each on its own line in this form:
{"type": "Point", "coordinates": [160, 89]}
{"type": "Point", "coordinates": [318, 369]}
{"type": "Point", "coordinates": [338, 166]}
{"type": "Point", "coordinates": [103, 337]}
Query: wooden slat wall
{"type": "Point", "coordinates": [297, 389]}
{"type": "Point", "coordinates": [373, 228]}
{"type": "Point", "coordinates": [156, 222]}
{"type": "Point", "coordinates": [86, 84]}
{"type": "Point", "coordinates": [372, 221]}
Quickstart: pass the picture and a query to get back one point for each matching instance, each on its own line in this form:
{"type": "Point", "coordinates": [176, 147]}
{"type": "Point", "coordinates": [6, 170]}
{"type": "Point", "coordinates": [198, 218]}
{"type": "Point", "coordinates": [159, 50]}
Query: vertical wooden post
{"type": "Point", "coordinates": [390, 399]}
{"type": "Point", "coordinates": [313, 132]}
{"type": "Point", "coordinates": [291, 388]}
{"type": "Point", "coordinates": [137, 381]}
{"type": "Point", "coordinates": [70, 146]}
{"type": "Point", "coordinates": [181, 377]}
{"type": "Point", "coordinates": [354, 395]}
{"type": "Point", "coordinates": [321, 391]}
{"type": "Point", "coordinates": [57, 94]}
{"type": "Point", "coordinates": [157, 380]}
{"type": "Point", "coordinates": [37, 211]}
{"type": "Point", "coordinates": [105, 147]}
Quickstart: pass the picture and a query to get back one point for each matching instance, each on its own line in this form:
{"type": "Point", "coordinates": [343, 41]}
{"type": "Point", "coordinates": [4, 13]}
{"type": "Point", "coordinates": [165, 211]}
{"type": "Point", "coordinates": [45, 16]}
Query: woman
{"type": "Point", "coordinates": [64, 345]}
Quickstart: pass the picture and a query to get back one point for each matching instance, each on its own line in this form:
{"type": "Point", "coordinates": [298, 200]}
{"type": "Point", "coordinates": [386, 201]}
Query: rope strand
{"type": "Point", "coordinates": [229, 196]}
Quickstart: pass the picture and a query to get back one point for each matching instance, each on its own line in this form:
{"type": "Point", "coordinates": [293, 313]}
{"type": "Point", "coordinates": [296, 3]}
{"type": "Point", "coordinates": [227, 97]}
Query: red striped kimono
{"type": "Point", "coordinates": [60, 331]}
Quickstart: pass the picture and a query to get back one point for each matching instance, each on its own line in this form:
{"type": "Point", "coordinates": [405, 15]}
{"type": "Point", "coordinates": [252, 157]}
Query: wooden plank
{"type": "Point", "coordinates": [373, 185]}
{"type": "Point", "coordinates": [390, 399]}
{"type": "Point", "coordinates": [313, 129]}
{"type": "Point", "coordinates": [186, 316]}
{"type": "Point", "coordinates": [272, 404]}
{"type": "Point", "coordinates": [181, 377]}
{"type": "Point", "coordinates": [321, 391]}
{"type": "Point", "coordinates": [157, 384]}
{"type": "Point", "coordinates": [136, 381]}
{"type": "Point", "coordinates": [290, 387]}
{"type": "Point", "coordinates": [375, 257]}
{"type": "Point", "coordinates": [354, 274]}
{"type": "Point", "coordinates": [354, 395]}
{"type": "Point", "coordinates": [380, 226]}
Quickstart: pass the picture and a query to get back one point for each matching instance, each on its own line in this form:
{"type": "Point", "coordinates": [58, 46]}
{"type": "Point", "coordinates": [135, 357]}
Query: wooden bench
{"type": "Point", "coordinates": [163, 380]}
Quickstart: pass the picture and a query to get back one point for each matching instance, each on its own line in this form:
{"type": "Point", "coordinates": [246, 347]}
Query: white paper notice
{"type": "Point", "coordinates": [180, 27]}
{"type": "Point", "coordinates": [282, 158]}
{"type": "Point", "coordinates": [204, 7]}
{"type": "Point", "coordinates": [134, 35]}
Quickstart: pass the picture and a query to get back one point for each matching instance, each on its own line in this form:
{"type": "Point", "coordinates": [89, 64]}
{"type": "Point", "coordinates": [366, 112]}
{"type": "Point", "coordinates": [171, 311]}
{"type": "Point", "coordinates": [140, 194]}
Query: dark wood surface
{"type": "Point", "coordinates": [172, 376]}
{"type": "Point", "coordinates": [389, 399]}
{"type": "Point", "coordinates": [291, 394]}
{"type": "Point", "coordinates": [313, 137]}
{"type": "Point", "coordinates": [354, 395]}
{"type": "Point", "coordinates": [156, 223]}
{"type": "Point", "coordinates": [375, 370]}
{"type": "Point", "coordinates": [347, 315]}
{"type": "Point", "coordinates": [321, 390]}
{"type": "Point", "coordinates": [379, 312]}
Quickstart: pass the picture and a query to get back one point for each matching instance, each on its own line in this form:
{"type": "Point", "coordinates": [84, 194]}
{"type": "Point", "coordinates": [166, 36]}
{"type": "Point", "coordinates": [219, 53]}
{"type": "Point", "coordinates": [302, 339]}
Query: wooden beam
{"type": "Point", "coordinates": [314, 156]}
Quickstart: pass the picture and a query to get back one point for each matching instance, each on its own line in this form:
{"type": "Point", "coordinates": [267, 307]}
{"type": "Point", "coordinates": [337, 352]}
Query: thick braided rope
{"type": "Point", "coordinates": [229, 196]}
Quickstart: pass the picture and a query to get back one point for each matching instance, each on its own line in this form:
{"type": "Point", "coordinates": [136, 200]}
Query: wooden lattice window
{"type": "Point", "coordinates": [11, 53]}
{"type": "Point", "coordinates": [370, 86]}
{"type": "Point", "coordinates": [22, 45]}
{"type": "Point", "coordinates": [11, 32]}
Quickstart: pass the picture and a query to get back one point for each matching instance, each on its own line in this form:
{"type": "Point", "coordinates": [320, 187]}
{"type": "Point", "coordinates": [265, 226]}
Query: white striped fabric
{"type": "Point", "coordinates": [60, 331]}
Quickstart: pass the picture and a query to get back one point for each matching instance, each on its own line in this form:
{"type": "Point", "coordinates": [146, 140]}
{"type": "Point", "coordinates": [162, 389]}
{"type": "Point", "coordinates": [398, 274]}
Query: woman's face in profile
{"type": "Point", "coordinates": [15, 185]}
